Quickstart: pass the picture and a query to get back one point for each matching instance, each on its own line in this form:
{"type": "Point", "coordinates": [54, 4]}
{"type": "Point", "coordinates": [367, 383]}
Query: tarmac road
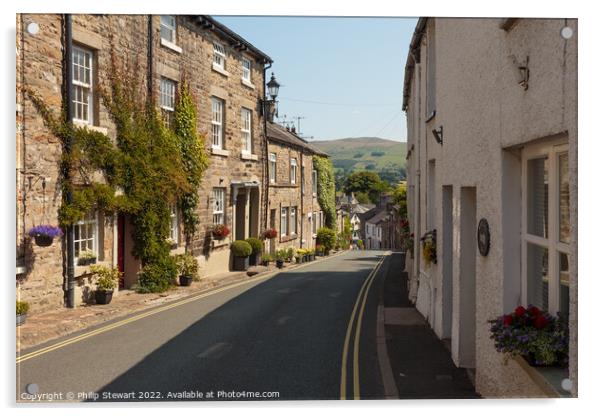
{"type": "Point", "coordinates": [282, 337]}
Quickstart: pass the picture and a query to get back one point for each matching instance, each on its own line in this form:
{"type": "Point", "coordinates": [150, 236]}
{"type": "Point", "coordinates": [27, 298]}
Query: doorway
{"type": "Point", "coordinates": [447, 262]}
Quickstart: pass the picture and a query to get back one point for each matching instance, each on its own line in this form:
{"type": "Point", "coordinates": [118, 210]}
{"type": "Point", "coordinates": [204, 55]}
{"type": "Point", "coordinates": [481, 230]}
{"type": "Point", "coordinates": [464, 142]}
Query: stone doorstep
{"type": "Point", "coordinates": [54, 324]}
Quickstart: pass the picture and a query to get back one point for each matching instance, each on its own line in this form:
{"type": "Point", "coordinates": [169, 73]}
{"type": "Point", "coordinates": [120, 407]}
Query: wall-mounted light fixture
{"type": "Point", "coordinates": [522, 71]}
{"type": "Point", "coordinates": [438, 134]}
{"type": "Point", "coordinates": [33, 28]}
{"type": "Point", "coordinates": [269, 106]}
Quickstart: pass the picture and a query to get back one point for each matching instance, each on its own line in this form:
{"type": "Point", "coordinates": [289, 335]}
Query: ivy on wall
{"type": "Point", "coordinates": [326, 189]}
{"type": "Point", "coordinates": [194, 157]}
{"type": "Point", "coordinates": [153, 165]}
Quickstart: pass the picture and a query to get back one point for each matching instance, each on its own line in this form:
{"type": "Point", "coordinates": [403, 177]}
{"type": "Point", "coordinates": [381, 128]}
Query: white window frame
{"type": "Point", "coordinates": [219, 203]}
{"type": "Point", "coordinates": [81, 88]}
{"type": "Point", "coordinates": [246, 70]}
{"type": "Point", "coordinates": [284, 221]}
{"type": "Point", "coordinates": [90, 218]}
{"type": "Point", "coordinates": [293, 220]}
{"type": "Point", "coordinates": [273, 166]}
{"type": "Point", "coordinates": [246, 130]}
{"type": "Point", "coordinates": [314, 223]}
{"type": "Point", "coordinates": [174, 230]}
{"type": "Point", "coordinates": [219, 55]}
{"type": "Point", "coordinates": [314, 182]}
{"type": "Point", "coordinates": [167, 94]}
{"type": "Point", "coordinates": [217, 122]}
{"type": "Point", "coordinates": [552, 151]}
{"type": "Point", "coordinates": [169, 26]}
{"type": "Point", "coordinates": [293, 171]}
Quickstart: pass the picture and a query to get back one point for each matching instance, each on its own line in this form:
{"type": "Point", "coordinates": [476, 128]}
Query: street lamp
{"type": "Point", "coordinates": [273, 87]}
{"type": "Point", "coordinates": [269, 105]}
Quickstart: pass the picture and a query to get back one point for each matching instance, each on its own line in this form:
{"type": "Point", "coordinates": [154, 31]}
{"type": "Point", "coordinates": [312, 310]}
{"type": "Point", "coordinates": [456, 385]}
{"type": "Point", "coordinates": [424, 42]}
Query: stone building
{"type": "Point", "coordinates": [293, 208]}
{"type": "Point", "coordinates": [492, 136]}
{"type": "Point", "coordinates": [226, 75]}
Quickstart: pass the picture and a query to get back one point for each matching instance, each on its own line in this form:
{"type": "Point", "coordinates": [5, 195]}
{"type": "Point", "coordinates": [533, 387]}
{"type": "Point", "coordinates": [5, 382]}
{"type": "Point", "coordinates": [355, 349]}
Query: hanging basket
{"type": "Point", "coordinates": [43, 240]}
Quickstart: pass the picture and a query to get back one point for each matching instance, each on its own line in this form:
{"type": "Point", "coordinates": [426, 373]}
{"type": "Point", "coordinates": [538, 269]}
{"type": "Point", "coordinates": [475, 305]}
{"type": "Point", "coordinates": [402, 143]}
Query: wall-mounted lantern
{"type": "Point", "coordinates": [438, 134]}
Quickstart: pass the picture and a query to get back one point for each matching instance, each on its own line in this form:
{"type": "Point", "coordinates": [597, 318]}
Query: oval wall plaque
{"type": "Point", "coordinates": [483, 237]}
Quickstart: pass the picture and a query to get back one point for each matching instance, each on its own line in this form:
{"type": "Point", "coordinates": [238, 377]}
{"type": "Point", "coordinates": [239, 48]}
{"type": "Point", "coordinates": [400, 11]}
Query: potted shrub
{"type": "Point", "coordinates": [257, 246]}
{"type": "Point", "coordinates": [220, 231]}
{"type": "Point", "coordinates": [360, 244]}
{"type": "Point", "coordinates": [22, 309]}
{"type": "Point", "coordinates": [312, 254]}
{"type": "Point", "coordinates": [44, 235]}
{"type": "Point", "coordinates": [188, 268]}
{"type": "Point", "coordinates": [241, 251]}
{"type": "Point", "coordinates": [86, 257]}
{"type": "Point", "coordinates": [280, 255]}
{"type": "Point", "coordinates": [298, 258]}
{"type": "Point", "coordinates": [327, 238]}
{"type": "Point", "coordinates": [290, 254]}
{"type": "Point", "coordinates": [270, 233]}
{"type": "Point", "coordinates": [319, 250]}
{"type": "Point", "coordinates": [105, 284]}
{"type": "Point", "coordinates": [266, 259]}
{"type": "Point", "coordinates": [541, 339]}
{"type": "Point", "coordinates": [429, 247]}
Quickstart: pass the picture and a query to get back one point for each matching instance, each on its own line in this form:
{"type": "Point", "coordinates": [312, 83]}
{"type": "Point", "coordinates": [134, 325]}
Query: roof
{"type": "Point", "coordinates": [413, 58]}
{"type": "Point", "coordinates": [379, 217]}
{"type": "Point", "coordinates": [235, 40]}
{"type": "Point", "coordinates": [279, 134]}
{"type": "Point", "coordinates": [362, 208]}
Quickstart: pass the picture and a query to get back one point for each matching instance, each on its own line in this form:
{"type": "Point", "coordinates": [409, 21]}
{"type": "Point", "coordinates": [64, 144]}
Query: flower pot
{"type": "Point", "coordinates": [312, 257]}
{"type": "Point", "coordinates": [254, 259]}
{"type": "Point", "coordinates": [241, 264]}
{"type": "Point", "coordinates": [280, 263]}
{"type": "Point", "coordinates": [86, 261]}
{"type": "Point", "coordinates": [43, 240]}
{"type": "Point", "coordinates": [21, 319]}
{"type": "Point", "coordinates": [103, 297]}
{"type": "Point", "coordinates": [185, 280]}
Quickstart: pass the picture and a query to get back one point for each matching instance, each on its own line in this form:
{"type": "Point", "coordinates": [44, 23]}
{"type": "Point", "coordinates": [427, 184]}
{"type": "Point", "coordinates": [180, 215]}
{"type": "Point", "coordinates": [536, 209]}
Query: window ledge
{"type": "Point", "coordinates": [82, 271]}
{"type": "Point", "coordinates": [548, 379]}
{"type": "Point", "coordinates": [98, 129]}
{"type": "Point", "coordinates": [248, 156]}
{"type": "Point", "coordinates": [247, 83]}
{"type": "Point", "coordinates": [171, 45]}
{"type": "Point", "coordinates": [286, 238]}
{"type": "Point", "coordinates": [220, 70]}
{"type": "Point", "coordinates": [219, 152]}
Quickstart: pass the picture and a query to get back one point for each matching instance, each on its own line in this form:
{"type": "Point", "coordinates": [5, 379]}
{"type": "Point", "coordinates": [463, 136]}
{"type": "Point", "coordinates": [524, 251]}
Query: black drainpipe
{"type": "Point", "coordinates": [150, 58]}
{"type": "Point", "coordinates": [67, 150]}
{"type": "Point", "coordinates": [266, 175]}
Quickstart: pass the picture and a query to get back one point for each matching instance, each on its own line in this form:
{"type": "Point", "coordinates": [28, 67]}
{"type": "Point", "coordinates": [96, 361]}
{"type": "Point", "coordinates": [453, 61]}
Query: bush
{"type": "Point", "coordinates": [188, 265]}
{"type": "Point", "coordinates": [22, 307]}
{"type": "Point", "coordinates": [266, 258]}
{"type": "Point", "coordinates": [107, 277]}
{"type": "Point", "coordinates": [240, 248]}
{"type": "Point", "coordinates": [157, 277]}
{"type": "Point", "coordinates": [281, 254]}
{"type": "Point", "coordinates": [256, 245]}
{"type": "Point", "coordinates": [290, 253]}
{"type": "Point", "coordinates": [327, 238]}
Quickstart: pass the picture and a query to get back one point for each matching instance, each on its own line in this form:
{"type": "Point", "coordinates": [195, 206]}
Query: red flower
{"type": "Point", "coordinates": [507, 320]}
{"type": "Point", "coordinates": [540, 322]}
{"type": "Point", "coordinates": [520, 311]}
{"type": "Point", "coordinates": [534, 311]}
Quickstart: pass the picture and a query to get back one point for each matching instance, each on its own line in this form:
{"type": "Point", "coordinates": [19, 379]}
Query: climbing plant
{"type": "Point", "coordinates": [194, 158]}
{"type": "Point", "coordinates": [152, 165]}
{"type": "Point", "coordinates": [326, 189]}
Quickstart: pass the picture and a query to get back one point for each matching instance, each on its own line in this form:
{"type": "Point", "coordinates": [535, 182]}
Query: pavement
{"type": "Point", "coordinates": [308, 332]}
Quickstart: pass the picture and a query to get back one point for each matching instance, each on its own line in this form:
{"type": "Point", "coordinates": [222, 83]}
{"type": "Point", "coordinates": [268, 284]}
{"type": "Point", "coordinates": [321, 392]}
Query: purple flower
{"type": "Point", "coordinates": [49, 230]}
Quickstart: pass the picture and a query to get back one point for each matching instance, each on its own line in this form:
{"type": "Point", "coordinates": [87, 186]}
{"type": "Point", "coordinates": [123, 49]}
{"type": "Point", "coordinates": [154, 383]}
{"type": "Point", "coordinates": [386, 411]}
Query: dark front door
{"type": "Point", "coordinates": [121, 247]}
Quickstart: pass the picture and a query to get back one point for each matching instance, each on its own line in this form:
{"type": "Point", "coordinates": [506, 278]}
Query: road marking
{"type": "Point", "coordinates": [335, 294]}
{"type": "Point", "coordinates": [33, 354]}
{"type": "Point", "coordinates": [346, 342]}
{"type": "Point", "coordinates": [216, 350]}
{"type": "Point", "coordinates": [356, 346]}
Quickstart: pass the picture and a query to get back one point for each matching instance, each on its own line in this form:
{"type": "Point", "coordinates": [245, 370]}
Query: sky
{"type": "Point", "coordinates": [344, 75]}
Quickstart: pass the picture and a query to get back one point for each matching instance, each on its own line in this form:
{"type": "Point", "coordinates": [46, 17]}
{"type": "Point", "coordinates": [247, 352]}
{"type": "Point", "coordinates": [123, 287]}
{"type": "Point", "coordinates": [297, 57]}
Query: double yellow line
{"type": "Point", "coordinates": [361, 302]}
{"type": "Point", "coordinates": [135, 318]}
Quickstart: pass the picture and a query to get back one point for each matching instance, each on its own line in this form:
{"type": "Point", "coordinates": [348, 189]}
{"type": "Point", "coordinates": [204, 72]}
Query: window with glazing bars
{"type": "Point", "coordinates": [168, 28]}
{"type": "Point", "coordinates": [246, 69]}
{"type": "Point", "coordinates": [293, 220]}
{"type": "Point", "coordinates": [293, 170]}
{"type": "Point", "coordinates": [84, 234]}
{"type": "Point", "coordinates": [217, 120]}
{"type": "Point", "coordinates": [219, 55]}
{"type": "Point", "coordinates": [272, 167]}
{"type": "Point", "coordinates": [246, 130]}
{"type": "Point", "coordinates": [218, 205]}
{"type": "Point", "coordinates": [173, 229]}
{"type": "Point", "coordinates": [82, 84]}
{"type": "Point", "coordinates": [284, 221]}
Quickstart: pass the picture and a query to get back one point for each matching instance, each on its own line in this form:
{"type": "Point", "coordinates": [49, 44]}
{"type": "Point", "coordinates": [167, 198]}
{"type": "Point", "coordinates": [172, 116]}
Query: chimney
{"type": "Point", "coordinates": [288, 128]}
{"type": "Point", "coordinates": [293, 129]}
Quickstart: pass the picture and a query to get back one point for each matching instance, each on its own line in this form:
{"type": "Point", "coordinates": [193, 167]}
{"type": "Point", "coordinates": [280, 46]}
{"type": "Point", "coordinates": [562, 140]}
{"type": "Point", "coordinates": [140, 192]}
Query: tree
{"type": "Point", "coordinates": [400, 197]}
{"type": "Point", "coordinates": [365, 182]}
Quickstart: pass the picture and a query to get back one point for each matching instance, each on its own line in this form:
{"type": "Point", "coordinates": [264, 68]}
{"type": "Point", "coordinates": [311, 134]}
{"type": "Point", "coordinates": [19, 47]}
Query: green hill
{"type": "Point", "coordinates": [385, 157]}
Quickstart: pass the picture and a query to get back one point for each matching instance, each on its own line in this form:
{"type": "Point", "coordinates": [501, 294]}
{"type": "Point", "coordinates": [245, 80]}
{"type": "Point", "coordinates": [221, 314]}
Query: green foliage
{"type": "Point", "coordinates": [362, 197]}
{"type": "Point", "coordinates": [358, 155]}
{"type": "Point", "coordinates": [281, 254]}
{"type": "Point", "coordinates": [266, 258]}
{"type": "Point", "coordinates": [326, 189]}
{"type": "Point", "coordinates": [158, 276]}
{"type": "Point", "coordinates": [365, 182]}
{"type": "Point", "coordinates": [377, 153]}
{"type": "Point", "coordinates": [193, 155]}
{"type": "Point", "coordinates": [240, 248]}
{"type": "Point", "coordinates": [22, 307]}
{"type": "Point", "coordinates": [187, 265]}
{"type": "Point", "coordinates": [327, 238]}
{"type": "Point", "coordinates": [290, 253]}
{"type": "Point", "coordinates": [107, 277]}
{"type": "Point", "coordinates": [256, 244]}
{"type": "Point", "coordinates": [399, 195]}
